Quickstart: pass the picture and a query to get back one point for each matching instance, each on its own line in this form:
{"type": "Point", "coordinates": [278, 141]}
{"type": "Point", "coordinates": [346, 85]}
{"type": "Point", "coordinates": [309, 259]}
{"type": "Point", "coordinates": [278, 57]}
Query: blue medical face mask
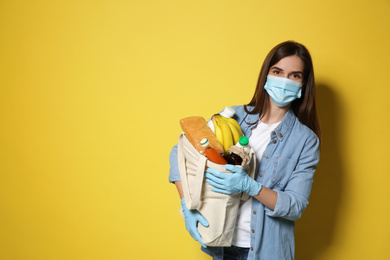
{"type": "Point", "coordinates": [282, 91]}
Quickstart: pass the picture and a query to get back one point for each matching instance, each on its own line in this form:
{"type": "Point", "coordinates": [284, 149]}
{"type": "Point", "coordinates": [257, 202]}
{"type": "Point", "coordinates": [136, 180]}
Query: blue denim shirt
{"type": "Point", "coordinates": [287, 166]}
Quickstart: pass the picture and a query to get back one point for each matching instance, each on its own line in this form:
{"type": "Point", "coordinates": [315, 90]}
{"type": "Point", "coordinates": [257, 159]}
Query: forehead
{"type": "Point", "coordinates": [290, 63]}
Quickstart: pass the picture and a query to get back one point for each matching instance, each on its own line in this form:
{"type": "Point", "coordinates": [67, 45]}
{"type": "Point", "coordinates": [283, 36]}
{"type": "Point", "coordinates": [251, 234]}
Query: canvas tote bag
{"type": "Point", "coordinates": [220, 210]}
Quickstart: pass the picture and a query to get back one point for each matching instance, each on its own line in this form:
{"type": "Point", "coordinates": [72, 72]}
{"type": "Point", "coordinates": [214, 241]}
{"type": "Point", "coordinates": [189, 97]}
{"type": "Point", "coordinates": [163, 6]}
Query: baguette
{"type": "Point", "coordinates": [196, 129]}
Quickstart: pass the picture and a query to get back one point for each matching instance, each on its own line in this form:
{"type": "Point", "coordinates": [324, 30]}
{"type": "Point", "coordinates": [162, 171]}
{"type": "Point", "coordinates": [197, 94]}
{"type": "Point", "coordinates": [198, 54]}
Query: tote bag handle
{"type": "Point", "coordinates": [193, 201]}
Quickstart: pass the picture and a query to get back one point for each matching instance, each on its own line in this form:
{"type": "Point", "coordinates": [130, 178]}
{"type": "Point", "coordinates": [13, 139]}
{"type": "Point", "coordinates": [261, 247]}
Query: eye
{"type": "Point", "coordinates": [276, 72]}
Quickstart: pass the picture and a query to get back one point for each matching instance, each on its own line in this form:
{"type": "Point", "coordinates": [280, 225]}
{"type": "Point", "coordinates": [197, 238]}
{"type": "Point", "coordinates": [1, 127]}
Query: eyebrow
{"type": "Point", "coordinates": [274, 67]}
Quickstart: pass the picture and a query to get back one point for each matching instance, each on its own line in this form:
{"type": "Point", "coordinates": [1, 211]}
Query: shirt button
{"type": "Point", "coordinates": [260, 175]}
{"type": "Point", "coordinates": [251, 248]}
{"type": "Point", "coordinates": [281, 135]}
{"type": "Point", "coordinates": [254, 212]}
{"type": "Point", "coordinates": [274, 141]}
{"type": "Point", "coordinates": [253, 231]}
{"type": "Point", "coordinates": [266, 156]}
{"type": "Point", "coordinates": [274, 133]}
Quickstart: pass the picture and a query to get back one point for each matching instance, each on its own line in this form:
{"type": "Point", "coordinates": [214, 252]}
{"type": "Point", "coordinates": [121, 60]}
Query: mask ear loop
{"type": "Point", "coordinates": [303, 88]}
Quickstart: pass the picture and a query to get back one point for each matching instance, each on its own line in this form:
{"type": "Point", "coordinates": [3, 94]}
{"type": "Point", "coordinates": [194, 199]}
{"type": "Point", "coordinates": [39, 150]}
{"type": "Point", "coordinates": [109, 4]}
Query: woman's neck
{"type": "Point", "coordinates": [274, 114]}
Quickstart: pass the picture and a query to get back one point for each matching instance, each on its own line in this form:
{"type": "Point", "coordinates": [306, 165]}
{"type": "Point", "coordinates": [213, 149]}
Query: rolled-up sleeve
{"type": "Point", "coordinates": [293, 200]}
{"type": "Point", "coordinates": [174, 174]}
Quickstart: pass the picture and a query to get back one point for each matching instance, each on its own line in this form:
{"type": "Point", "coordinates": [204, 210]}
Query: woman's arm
{"type": "Point", "coordinates": [174, 175]}
{"type": "Point", "coordinates": [294, 198]}
{"type": "Point", "coordinates": [267, 197]}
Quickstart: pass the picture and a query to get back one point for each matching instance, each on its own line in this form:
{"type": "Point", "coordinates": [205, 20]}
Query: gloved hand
{"type": "Point", "coordinates": [237, 182]}
{"type": "Point", "coordinates": [191, 218]}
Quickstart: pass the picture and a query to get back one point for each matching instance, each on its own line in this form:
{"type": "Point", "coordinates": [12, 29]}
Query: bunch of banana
{"type": "Point", "coordinates": [227, 130]}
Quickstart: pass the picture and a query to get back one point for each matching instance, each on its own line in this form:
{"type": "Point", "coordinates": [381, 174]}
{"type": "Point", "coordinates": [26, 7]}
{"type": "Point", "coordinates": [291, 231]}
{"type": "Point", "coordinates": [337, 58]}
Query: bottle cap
{"type": "Point", "coordinates": [228, 112]}
{"type": "Point", "coordinates": [204, 142]}
{"type": "Point", "coordinates": [211, 125]}
{"type": "Point", "coordinates": [244, 141]}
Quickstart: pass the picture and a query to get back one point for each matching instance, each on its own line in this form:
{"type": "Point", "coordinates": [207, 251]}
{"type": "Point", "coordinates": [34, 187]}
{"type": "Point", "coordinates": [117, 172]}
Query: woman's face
{"type": "Point", "coordinates": [290, 67]}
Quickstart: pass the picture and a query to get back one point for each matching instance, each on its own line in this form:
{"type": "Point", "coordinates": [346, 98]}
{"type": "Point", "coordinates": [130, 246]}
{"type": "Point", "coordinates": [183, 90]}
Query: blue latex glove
{"type": "Point", "coordinates": [237, 182]}
{"type": "Point", "coordinates": [191, 218]}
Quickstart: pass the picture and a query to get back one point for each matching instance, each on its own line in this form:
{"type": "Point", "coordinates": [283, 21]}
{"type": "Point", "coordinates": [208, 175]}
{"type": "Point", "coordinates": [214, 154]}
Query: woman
{"type": "Point", "coordinates": [282, 125]}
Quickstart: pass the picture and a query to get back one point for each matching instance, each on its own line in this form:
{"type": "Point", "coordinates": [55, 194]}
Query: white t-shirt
{"type": "Point", "coordinates": [259, 139]}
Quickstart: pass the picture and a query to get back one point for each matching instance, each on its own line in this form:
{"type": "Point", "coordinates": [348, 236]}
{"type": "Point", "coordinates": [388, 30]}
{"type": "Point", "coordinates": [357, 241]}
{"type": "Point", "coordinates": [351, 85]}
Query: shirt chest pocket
{"type": "Point", "coordinates": [281, 171]}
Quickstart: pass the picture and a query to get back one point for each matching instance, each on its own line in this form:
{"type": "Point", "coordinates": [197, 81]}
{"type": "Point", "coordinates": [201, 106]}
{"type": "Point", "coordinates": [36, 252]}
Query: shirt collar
{"type": "Point", "coordinates": [281, 130]}
{"type": "Point", "coordinates": [286, 124]}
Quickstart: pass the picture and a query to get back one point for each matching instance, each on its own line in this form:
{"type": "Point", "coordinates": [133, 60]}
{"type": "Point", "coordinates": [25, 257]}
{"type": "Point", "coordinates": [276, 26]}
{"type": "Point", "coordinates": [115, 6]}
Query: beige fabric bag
{"type": "Point", "coordinates": [220, 210]}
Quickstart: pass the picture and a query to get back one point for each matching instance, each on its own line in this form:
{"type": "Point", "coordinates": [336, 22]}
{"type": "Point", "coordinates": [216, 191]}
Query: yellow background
{"type": "Point", "coordinates": [91, 93]}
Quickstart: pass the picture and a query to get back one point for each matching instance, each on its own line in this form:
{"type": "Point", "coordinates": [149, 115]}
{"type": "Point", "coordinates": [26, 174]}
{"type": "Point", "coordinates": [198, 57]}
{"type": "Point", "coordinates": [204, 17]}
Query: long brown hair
{"type": "Point", "coordinates": [304, 107]}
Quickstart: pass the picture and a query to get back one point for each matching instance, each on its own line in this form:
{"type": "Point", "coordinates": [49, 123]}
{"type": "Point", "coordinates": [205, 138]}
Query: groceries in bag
{"type": "Point", "coordinates": [223, 134]}
{"type": "Point", "coordinates": [228, 112]}
{"type": "Point", "coordinates": [227, 130]}
{"type": "Point", "coordinates": [196, 129]}
{"type": "Point", "coordinates": [239, 154]}
{"type": "Point", "coordinates": [219, 209]}
{"type": "Point", "coordinates": [212, 154]}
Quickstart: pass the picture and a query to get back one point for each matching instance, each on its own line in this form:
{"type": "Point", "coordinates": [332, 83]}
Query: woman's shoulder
{"type": "Point", "coordinates": [238, 109]}
{"type": "Point", "coordinates": [241, 108]}
{"type": "Point", "coordinates": [304, 130]}
{"type": "Point", "coordinates": [240, 112]}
